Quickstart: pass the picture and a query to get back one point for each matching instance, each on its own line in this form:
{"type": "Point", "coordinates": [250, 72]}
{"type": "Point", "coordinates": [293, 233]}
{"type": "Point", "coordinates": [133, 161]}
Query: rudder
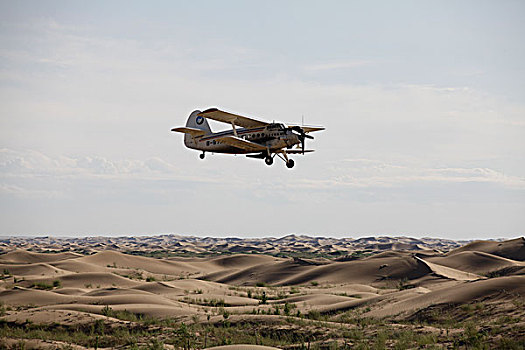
{"type": "Point", "coordinates": [198, 122]}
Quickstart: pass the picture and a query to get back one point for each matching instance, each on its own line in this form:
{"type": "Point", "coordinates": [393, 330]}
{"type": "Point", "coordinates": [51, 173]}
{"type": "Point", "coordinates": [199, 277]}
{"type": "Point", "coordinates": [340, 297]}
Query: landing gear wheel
{"type": "Point", "coordinates": [290, 163]}
{"type": "Point", "coordinates": [268, 160]}
{"type": "Point", "coordinates": [201, 156]}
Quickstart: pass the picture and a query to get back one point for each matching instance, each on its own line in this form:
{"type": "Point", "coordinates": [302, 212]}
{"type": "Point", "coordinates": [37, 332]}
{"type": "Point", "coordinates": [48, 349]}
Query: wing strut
{"type": "Point", "coordinates": [234, 130]}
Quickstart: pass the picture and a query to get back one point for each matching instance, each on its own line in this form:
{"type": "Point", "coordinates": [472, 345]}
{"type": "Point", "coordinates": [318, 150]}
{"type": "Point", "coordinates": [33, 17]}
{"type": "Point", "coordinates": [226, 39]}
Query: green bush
{"type": "Point", "coordinates": [107, 311]}
{"type": "Point", "coordinates": [42, 285]}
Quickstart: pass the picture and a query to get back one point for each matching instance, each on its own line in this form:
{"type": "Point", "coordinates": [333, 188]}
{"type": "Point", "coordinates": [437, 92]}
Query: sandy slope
{"type": "Point", "coordinates": [512, 249]}
{"type": "Point", "coordinates": [391, 283]}
{"type": "Point", "coordinates": [367, 271]}
{"type": "Point", "coordinates": [33, 269]}
{"type": "Point", "coordinates": [165, 267]}
{"type": "Point", "coordinates": [25, 257]}
{"type": "Point", "coordinates": [475, 262]}
{"type": "Point", "coordinates": [449, 272]}
{"type": "Point", "coordinates": [481, 290]}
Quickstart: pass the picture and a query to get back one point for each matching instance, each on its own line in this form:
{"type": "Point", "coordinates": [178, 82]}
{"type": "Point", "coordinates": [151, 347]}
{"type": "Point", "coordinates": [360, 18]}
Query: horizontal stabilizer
{"type": "Point", "coordinates": [308, 128]}
{"type": "Point", "coordinates": [298, 151]}
{"type": "Point", "coordinates": [192, 131]}
{"type": "Point", "coordinates": [242, 144]}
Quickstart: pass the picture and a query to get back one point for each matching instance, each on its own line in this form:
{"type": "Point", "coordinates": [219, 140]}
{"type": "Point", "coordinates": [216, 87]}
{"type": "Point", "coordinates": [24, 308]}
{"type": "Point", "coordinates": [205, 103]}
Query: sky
{"type": "Point", "coordinates": [423, 104]}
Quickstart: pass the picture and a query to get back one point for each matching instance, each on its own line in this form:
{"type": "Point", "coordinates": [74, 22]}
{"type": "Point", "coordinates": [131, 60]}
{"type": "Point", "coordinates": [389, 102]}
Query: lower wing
{"type": "Point", "coordinates": [242, 144]}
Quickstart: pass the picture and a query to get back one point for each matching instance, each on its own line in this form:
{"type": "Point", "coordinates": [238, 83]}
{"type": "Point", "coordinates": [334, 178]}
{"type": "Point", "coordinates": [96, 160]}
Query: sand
{"type": "Point", "coordinates": [69, 288]}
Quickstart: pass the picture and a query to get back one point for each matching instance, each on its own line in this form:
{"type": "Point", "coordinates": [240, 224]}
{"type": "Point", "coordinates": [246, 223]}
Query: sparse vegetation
{"type": "Point", "coordinates": [264, 298]}
{"type": "Point", "coordinates": [275, 321]}
{"type": "Point", "coordinates": [42, 285]}
{"type": "Point", "coordinates": [5, 274]}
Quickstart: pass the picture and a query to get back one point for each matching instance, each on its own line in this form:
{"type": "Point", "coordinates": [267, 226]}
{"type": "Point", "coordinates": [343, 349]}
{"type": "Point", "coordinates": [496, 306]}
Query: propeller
{"type": "Point", "coordinates": [301, 135]}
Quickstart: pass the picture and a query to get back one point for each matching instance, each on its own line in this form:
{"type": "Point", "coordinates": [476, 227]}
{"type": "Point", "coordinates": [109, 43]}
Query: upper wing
{"type": "Point", "coordinates": [225, 117]}
{"type": "Point", "coordinates": [192, 131]}
{"type": "Point", "coordinates": [308, 128]}
{"type": "Point", "coordinates": [242, 144]}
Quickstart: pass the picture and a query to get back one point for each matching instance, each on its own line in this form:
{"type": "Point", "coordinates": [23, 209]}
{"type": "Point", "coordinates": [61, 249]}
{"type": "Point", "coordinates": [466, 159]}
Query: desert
{"type": "Point", "coordinates": [293, 292]}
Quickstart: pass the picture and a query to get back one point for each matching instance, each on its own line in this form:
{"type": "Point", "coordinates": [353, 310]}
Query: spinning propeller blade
{"type": "Point", "coordinates": [301, 135]}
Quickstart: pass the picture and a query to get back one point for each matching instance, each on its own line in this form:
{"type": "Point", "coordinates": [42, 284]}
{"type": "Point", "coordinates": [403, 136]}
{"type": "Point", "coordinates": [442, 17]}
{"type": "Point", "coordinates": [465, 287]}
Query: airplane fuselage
{"type": "Point", "coordinates": [273, 137]}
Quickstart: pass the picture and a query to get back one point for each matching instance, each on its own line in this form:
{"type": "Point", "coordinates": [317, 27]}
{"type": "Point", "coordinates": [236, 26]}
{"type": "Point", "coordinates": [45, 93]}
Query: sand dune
{"type": "Point", "coordinates": [76, 265]}
{"type": "Point", "coordinates": [475, 262]}
{"type": "Point", "coordinates": [104, 297]}
{"type": "Point", "coordinates": [242, 261]}
{"type": "Point", "coordinates": [22, 296]}
{"type": "Point", "coordinates": [117, 259]}
{"type": "Point", "coordinates": [366, 271]}
{"type": "Point", "coordinates": [96, 279]}
{"type": "Point", "coordinates": [256, 289]}
{"type": "Point", "coordinates": [485, 290]}
{"type": "Point", "coordinates": [449, 272]}
{"type": "Point", "coordinates": [151, 310]}
{"type": "Point", "coordinates": [512, 249]}
{"type": "Point", "coordinates": [271, 273]}
{"type": "Point", "coordinates": [160, 288]}
{"type": "Point", "coordinates": [316, 299]}
{"type": "Point", "coordinates": [33, 269]}
{"type": "Point", "coordinates": [25, 257]}
{"type": "Point", "coordinates": [184, 245]}
{"type": "Point", "coordinates": [48, 316]}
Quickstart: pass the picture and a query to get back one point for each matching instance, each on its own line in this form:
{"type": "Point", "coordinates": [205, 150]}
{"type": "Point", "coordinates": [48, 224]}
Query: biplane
{"type": "Point", "coordinates": [255, 138]}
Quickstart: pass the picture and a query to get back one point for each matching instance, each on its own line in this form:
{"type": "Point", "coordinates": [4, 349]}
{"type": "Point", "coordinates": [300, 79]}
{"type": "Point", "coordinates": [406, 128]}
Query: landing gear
{"type": "Point", "coordinates": [284, 156]}
{"type": "Point", "coordinates": [201, 156]}
{"type": "Point", "coordinates": [268, 160]}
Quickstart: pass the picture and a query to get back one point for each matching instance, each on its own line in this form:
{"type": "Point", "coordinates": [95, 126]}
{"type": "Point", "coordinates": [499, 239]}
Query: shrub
{"type": "Point", "coordinates": [314, 315]}
{"type": "Point", "coordinates": [3, 310]}
{"type": "Point", "coordinates": [276, 310]}
{"type": "Point", "coordinates": [225, 314]}
{"type": "Point", "coordinates": [107, 311]}
{"type": "Point", "coordinates": [286, 309]}
{"type": "Point", "coordinates": [42, 285]}
{"type": "Point", "coordinates": [264, 298]}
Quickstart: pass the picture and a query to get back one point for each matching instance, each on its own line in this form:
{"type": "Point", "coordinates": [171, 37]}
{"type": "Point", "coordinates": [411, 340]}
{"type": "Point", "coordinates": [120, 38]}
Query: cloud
{"type": "Point", "coordinates": [30, 193]}
{"type": "Point", "coordinates": [370, 173]}
{"type": "Point", "coordinates": [31, 163]}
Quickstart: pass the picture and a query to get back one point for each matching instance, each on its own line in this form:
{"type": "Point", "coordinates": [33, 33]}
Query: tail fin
{"type": "Point", "coordinates": [198, 122]}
